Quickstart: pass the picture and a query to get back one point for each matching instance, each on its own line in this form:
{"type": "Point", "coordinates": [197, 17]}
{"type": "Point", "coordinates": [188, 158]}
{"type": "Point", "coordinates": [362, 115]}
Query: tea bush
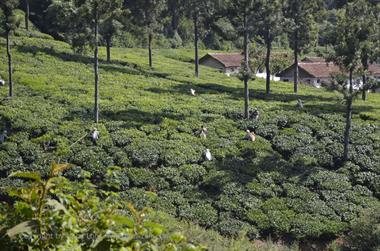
{"type": "Point", "coordinates": [365, 234]}
{"type": "Point", "coordinates": [289, 183]}
{"type": "Point", "coordinates": [58, 214]}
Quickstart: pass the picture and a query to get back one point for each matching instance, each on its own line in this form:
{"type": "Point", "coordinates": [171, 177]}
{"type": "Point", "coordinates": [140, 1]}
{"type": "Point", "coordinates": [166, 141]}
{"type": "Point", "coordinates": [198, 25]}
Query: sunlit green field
{"type": "Point", "coordinates": [289, 182]}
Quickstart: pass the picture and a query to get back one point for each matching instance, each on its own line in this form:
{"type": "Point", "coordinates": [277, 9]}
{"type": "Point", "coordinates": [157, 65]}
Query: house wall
{"type": "Point", "coordinates": [316, 82]}
{"type": "Point", "coordinates": [264, 75]}
{"type": "Point", "coordinates": [231, 70]}
{"type": "Point", "coordinates": [304, 77]}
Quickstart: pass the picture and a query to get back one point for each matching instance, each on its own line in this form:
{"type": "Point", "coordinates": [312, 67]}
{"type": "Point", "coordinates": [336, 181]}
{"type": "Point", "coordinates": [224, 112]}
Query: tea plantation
{"type": "Point", "coordinates": [288, 184]}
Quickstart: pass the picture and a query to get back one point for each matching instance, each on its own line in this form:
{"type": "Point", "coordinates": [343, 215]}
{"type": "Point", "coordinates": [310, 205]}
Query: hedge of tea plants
{"type": "Point", "coordinates": [289, 183]}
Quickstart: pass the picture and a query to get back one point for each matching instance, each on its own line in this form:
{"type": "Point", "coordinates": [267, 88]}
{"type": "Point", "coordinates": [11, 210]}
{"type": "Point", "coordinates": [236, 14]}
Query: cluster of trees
{"type": "Point", "coordinates": [85, 23]}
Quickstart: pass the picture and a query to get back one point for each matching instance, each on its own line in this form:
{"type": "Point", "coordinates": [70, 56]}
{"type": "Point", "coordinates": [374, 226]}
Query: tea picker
{"type": "Point", "coordinates": [203, 132]}
{"type": "Point", "coordinates": [208, 155]}
{"type": "Point", "coordinates": [255, 114]}
{"type": "Point", "coordinates": [299, 104]}
{"type": "Point", "coordinates": [251, 136]}
{"type": "Point", "coordinates": [3, 136]}
{"type": "Point", "coordinates": [95, 135]}
{"type": "Point", "coordinates": [192, 92]}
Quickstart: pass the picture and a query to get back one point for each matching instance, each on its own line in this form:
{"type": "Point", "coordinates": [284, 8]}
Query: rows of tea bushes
{"type": "Point", "coordinates": [290, 183]}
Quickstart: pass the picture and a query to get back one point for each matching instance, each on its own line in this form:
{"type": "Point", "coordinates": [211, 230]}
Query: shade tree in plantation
{"type": "Point", "coordinates": [242, 16]}
{"type": "Point", "coordinates": [201, 12]}
{"type": "Point", "coordinates": [9, 24]}
{"type": "Point", "coordinates": [82, 20]}
{"type": "Point", "coordinates": [301, 28]}
{"type": "Point", "coordinates": [147, 13]}
{"type": "Point", "coordinates": [27, 14]}
{"type": "Point", "coordinates": [370, 47]}
{"type": "Point", "coordinates": [269, 25]}
{"type": "Point", "coordinates": [351, 33]}
{"type": "Point", "coordinates": [175, 10]}
{"type": "Point", "coordinates": [113, 25]}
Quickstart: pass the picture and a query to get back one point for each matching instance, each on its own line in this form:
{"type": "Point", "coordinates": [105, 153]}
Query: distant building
{"type": "Point", "coordinates": [229, 63]}
{"type": "Point", "coordinates": [317, 72]}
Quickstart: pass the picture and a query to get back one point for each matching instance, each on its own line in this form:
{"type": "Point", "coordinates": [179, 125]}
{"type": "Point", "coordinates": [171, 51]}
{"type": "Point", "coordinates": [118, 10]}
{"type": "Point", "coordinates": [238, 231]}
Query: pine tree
{"type": "Point", "coordinates": [242, 14]}
{"type": "Point", "coordinates": [351, 33]}
{"type": "Point", "coordinates": [27, 14]}
{"type": "Point", "coordinates": [147, 13]}
{"type": "Point", "coordinates": [270, 25]}
{"type": "Point", "coordinates": [111, 26]}
{"type": "Point", "coordinates": [301, 28]}
{"type": "Point", "coordinates": [202, 12]}
{"type": "Point", "coordinates": [9, 25]}
{"type": "Point", "coordinates": [81, 20]}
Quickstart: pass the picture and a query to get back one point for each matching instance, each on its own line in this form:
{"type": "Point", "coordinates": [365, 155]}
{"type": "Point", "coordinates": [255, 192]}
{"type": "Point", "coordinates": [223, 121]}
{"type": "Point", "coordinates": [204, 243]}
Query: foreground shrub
{"type": "Point", "coordinates": [56, 214]}
{"type": "Point", "coordinates": [365, 234]}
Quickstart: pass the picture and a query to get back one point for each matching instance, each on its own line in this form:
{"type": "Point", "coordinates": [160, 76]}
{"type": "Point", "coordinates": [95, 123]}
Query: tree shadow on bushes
{"type": "Point", "coordinates": [329, 108]}
{"type": "Point", "coordinates": [138, 118]}
{"type": "Point", "coordinates": [244, 170]}
{"type": "Point", "coordinates": [115, 65]}
{"type": "Point", "coordinates": [237, 93]}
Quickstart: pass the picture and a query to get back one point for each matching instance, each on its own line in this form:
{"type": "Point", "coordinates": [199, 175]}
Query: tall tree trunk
{"type": "Point", "coordinates": [27, 15]}
{"type": "Point", "coordinates": [296, 70]}
{"type": "Point", "coordinates": [108, 45]}
{"type": "Point", "coordinates": [150, 38]}
{"type": "Point", "coordinates": [267, 65]}
{"type": "Point", "coordinates": [196, 57]}
{"type": "Point", "coordinates": [96, 69]}
{"type": "Point", "coordinates": [175, 16]}
{"type": "Point", "coordinates": [246, 64]}
{"type": "Point", "coordinates": [348, 121]}
{"type": "Point", "coordinates": [10, 70]}
{"type": "Point", "coordinates": [365, 92]}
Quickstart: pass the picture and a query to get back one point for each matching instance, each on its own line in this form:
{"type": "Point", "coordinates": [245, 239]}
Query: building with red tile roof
{"type": "Point", "coordinates": [316, 71]}
{"type": "Point", "coordinates": [228, 63]}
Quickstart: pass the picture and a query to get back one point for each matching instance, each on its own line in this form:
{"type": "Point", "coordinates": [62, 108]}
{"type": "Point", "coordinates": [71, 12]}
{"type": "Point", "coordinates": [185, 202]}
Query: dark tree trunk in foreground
{"type": "Point", "coordinates": [267, 66]}
{"type": "Point", "coordinates": [150, 38]}
{"type": "Point", "coordinates": [365, 92]}
{"type": "Point", "coordinates": [196, 58]}
{"type": "Point", "coordinates": [10, 70]}
{"type": "Point", "coordinates": [348, 121]}
{"type": "Point", "coordinates": [108, 46]}
{"type": "Point", "coordinates": [96, 70]}
{"type": "Point", "coordinates": [246, 64]}
{"type": "Point", "coordinates": [27, 15]}
{"type": "Point", "coordinates": [296, 63]}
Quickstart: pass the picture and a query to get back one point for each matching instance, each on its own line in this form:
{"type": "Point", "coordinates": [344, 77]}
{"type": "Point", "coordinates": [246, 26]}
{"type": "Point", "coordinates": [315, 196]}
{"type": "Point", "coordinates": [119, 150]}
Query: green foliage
{"type": "Point", "coordinates": [10, 21]}
{"type": "Point", "coordinates": [365, 234]}
{"type": "Point", "coordinates": [289, 182]}
{"type": "Point", "coordinates": [56, 213]}
{"type": "Point", "coordinates": [201, 213]}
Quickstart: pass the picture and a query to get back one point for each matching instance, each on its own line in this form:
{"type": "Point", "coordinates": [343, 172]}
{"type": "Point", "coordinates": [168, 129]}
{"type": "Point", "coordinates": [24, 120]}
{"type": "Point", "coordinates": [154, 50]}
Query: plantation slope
{"type": "Point", "coordinates": [289, 183]}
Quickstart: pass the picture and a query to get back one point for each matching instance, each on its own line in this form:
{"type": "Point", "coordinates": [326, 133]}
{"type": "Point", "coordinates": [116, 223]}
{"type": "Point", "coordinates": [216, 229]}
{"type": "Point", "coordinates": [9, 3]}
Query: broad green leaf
{"type": "Point", "coordinates": [123, 220]}
{"type": "Point", "coordinates": [24, 227]}
{"type": "Point", "coordinates": [58, 168]}
{"type": "Point", "coordinates": [26, 175]}
{"type": "Point", "coordinates": [56, 205]}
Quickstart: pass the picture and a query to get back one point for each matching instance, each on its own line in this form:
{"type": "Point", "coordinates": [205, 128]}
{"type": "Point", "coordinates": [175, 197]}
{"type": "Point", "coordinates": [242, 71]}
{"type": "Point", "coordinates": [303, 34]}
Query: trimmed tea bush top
{"type": "Point", "coordinates": [152, 142]}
